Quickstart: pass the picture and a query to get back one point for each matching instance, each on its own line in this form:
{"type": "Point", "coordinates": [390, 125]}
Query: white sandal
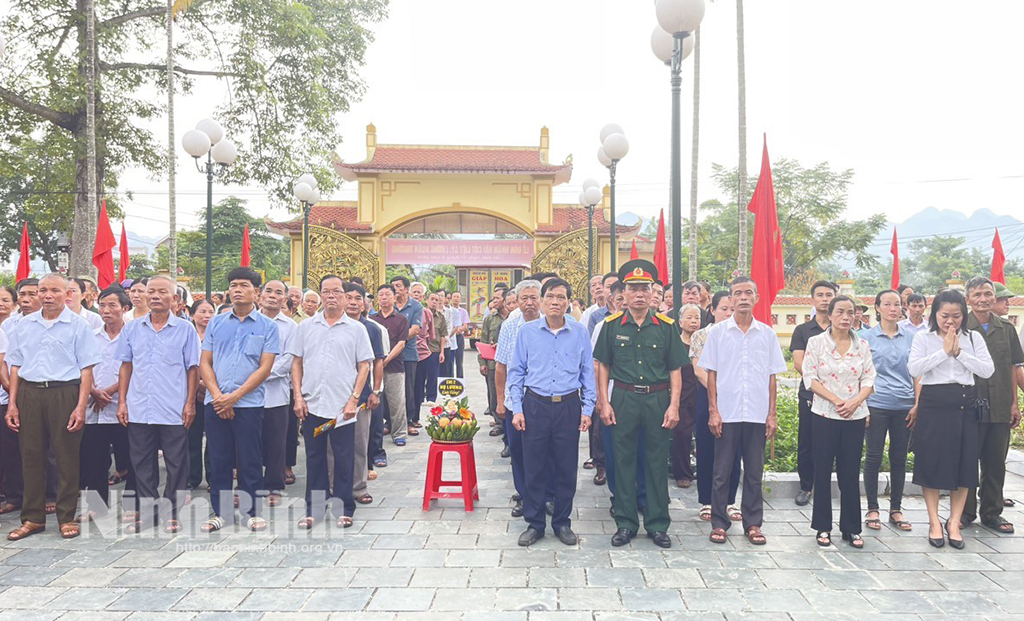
{"type": "Point", "coordinates": [705, 513]}
{"type": "Point", "coordinates": [212, 524]}
{"type": "Point", "coordinates": [256, 524]}
{"type": "Point", "coordinates": [734, 514]}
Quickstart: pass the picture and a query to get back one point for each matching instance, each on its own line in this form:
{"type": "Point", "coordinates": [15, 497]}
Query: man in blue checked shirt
{"type": "Point", "coordinates": [238, 355]}
{"type": "Point", "coordinates": [552, 391]}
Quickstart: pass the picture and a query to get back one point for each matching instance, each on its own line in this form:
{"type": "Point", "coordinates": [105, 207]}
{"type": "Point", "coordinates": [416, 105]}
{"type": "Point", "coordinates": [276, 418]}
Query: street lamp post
{"type": "Point", "coordinates": [677, 19]}
{"type": "Point", "coordinates": [308, 193]}
{"type": "Point", "coordinates": [589, 198]}
{"type": "Point", "coordinates": [614, 147]}
{"type": "Point", "coordinates": [208, 139]}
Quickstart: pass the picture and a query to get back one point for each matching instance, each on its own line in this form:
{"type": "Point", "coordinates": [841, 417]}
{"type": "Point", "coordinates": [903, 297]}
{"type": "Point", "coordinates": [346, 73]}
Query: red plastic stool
{"type": "Point", "coordinates": [434, 482]}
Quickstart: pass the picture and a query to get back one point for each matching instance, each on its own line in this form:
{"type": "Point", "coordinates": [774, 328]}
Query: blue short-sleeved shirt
{"type": "Point", "coordinates": [894, 388]}
{"type": "Point", "coordinates": [52, 350]}
{"type": "Point", "coordinates": [237, 345]}
{"type": "Point", "coordinates": [158, 389]}
{"type": "Point", "coordinates": [413, 312]}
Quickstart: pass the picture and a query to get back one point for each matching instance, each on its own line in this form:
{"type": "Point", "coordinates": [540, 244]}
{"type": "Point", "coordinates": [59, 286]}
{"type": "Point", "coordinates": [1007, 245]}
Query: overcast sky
{"type": "Point", "coordinates": [920, 98]}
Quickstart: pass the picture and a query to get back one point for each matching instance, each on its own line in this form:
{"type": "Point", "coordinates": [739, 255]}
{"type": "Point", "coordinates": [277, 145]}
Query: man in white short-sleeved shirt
{"type": "Point", "coordinates": [742, 357]}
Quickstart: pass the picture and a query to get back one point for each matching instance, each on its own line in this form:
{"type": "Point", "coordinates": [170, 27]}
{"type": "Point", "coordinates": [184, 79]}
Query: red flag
{"type": "Point", "coordinates": [633, 254]}
{"type": "Point", "coordinates": [245, 246]}
{"type": "Point", "coordinates": [895, 251]}
{"type": "Point", "coordinates": [23, 263]}
{"type": "Point", "coordinates": [766, 267]}
{"type": "Point", "coordinates": [661, 251]}
{"type": "Point", "coordinates": [122, 267]}
{"type": "Point", "coordinates": [103, 250]}
{"type": "Point", "coordinates": [998, 260]}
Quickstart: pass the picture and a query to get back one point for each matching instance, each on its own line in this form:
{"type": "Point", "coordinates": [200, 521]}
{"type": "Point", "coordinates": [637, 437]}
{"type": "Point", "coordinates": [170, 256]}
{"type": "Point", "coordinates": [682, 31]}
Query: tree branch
{"type": "Point", "coordinates": [153, 11]}
{"type": "Point", "coordinates": [60, 119]}
{"type": "Point", "coordinates": [104, 66]}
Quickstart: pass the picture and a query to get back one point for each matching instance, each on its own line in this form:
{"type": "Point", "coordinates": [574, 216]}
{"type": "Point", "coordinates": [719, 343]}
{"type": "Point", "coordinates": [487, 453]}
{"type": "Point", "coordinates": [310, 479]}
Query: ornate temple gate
{"type": "Point", "coordinates": [331, 252]}
{"type": "Point", "coordinates": [567, 256]}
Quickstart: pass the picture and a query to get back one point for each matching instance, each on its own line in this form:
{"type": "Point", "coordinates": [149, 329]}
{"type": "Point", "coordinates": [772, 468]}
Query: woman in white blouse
{"type": "Point", "coordinates": [839, 370]}
{"type": "Point", "coordinates": [945, 438]}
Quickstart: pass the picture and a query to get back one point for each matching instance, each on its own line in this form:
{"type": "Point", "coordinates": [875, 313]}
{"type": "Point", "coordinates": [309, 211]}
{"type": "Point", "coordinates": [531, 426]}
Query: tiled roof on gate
{"type": "Point", "coordinates": [338, 215]}
{"type": "Point", "coordinates": [390, 158]}
{"type": "Point", "coordinates": [568, 218]}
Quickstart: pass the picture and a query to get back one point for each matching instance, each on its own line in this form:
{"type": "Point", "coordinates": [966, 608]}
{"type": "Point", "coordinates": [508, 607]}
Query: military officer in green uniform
{"type": "Point", "coordinates": [640, 354]}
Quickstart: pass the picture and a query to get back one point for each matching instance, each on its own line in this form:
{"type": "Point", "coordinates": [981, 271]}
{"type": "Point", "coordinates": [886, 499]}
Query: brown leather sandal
{"type": "Point", "coordinates": [70, 530]}
{"type": "Point", "coordinates": [27, 529]}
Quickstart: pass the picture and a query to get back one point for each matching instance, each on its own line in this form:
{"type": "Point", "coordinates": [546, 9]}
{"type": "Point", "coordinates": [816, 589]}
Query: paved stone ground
{"type": "Point", "coordinates": [399, 563]}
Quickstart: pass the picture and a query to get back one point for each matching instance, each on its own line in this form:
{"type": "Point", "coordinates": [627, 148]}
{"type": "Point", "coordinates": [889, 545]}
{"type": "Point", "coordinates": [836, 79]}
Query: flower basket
{"type": "Point", "coordinates": [451, 422]}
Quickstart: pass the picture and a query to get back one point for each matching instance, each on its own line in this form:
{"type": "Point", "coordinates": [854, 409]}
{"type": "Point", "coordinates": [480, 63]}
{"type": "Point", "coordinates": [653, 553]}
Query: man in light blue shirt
{"type": "Point", "coordinates": [158, 378]}
{"type": "Point", "coordinates": [238, 354]}
{"type": "Point", "coordinates": [413, 312]}
{"type": "Point", "coordinates": [278, 393]}
{"type": "Point", "coordinates": [551, 387]}
{"type": "Point", "coordinates": [51, 354]}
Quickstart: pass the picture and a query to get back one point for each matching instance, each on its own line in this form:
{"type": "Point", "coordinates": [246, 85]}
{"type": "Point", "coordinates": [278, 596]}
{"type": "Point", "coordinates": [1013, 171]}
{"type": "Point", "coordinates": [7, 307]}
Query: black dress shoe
{"type": "Point", "coordinates": [661, 539]}
{"type": "Point", "coordinates": [516, 497]}
{"type": "Point", "coordinates": [549, 507]}
{"type": "Point", "coordinates": [622, 537]}
{"type": "Point", "coordinates": [611, 510]}
{"type": "Point", "coordinates": [517, 510]}
{"type": "Point", "coordinates": [566, 536]}
{"type": "Point", "coordinates": [803, 498]}
{"type": "Point", "coordinates": [530, 536]}
{"type": "Point", "coordinates": [497, 431]}
{"type": "Point", "coordinates": [506, 452]}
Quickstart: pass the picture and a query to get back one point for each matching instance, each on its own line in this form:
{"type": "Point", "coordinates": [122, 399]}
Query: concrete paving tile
{"type": "Point", "coordinates": [451, 577]}
{"type": "Point", "coordinates": [557, 577]}
{"type": "Point", "coordinates": [28, 597]}
{"type": "Point", "coordinates": [399, 542]}
{"type": "Point", "coordinates": [90, 558]}
{"type": "Point", "coordinates": [419, 558]}
{"type": "Point", "coordinates": [583, 558]}
{"type": "Point", "coordinates": [730, 578]}
{"type": "Point", "coordinates": [382, 577]}
{"type": "Point", "coordinates": [637, 558]}
{"type": "Point", "coordinates": [206, 577]}
{"type": "Point", "coordinates": [331, 599]}
{"type": "Point", "coordinates": [461, 600]}
{"type": "Point", "coordinates": [789, 578]}
{"type": "Point", "coordinates": [617, 577]}
{"type": "Point", "coordinates": [261, 577]}
{"type": "Point", "coordinates": [849, 580]}
{"type": "Point", "coordinates": [589, 599]}
{"type": "Point", "coordinates": [85, 599]}
{"type": "Point", "coordinates": [41, 557]}
{"type": "Point", "coordinates": [270, 600]}
{"type": "Point", "coordinates": [965, 581]}
{"type": "Point", "coordinates": [530, 600]}
{"type": "Point", "coordinates": [960, 603]}
{"type": "Point", "coordinates": [776, 600]}
{"type": "Point", "coordinates": [672, 578]}
{"type": "Point", "coordinates": [714, 600]}
{"type": "Point", "coordinates": [148, 599]}
{"type": "Point", "coordinates": [152, 577]}
{"type": "Point", "coordinates": [743, 559]}
{"type": "Point", "coordinates": [510, 577]}
{"type": "Point", "coordinates": [402, 599]}
{"type": "Point", "coordinates": [844, 602]}
{"type": "Point", "coordinates": [212, 599]}
{"type": "Point", "coordinates": [652, 599]}
{"type": "Point", "coordinates": [87, 577]}
{"type": "Point", "coordinates": [528, 558]}
{"type": "Point", "coordinates": [965, 561]}
{"type": "Point", "coordinates": [32, 577]}
{"type": "Point", "coordinates": [363, 558]}
{"type": "Point", "coordinates": [473, 558]}
{"type": "Point", "coordinates": [326, 577]}
{"type": "Point", "coordinates": [901, 602]}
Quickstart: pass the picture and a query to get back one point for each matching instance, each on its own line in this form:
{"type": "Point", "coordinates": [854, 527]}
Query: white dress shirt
{"type": "Point", "coordinates": [844, 375]}
{"type": "Point", "coordinates": [930, 363]}
{"type": "Point", "coordinates": [330, 362]}
{"type": "Point", "coordinates": [94, 319]}
{"type": "Point", "coordinates": [278, 384]}
{"type": "Point", "coordinates": [104, 374]}
{"type": "Point", "coordinates": [744, 364]}
{"type": "Point", "coordinates": [911, 329]}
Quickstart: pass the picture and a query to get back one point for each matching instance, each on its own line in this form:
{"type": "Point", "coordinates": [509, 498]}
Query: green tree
{"type": "Point", "coordinates": [932, 260]}
{"type": "Point", "coordinates": [291, 68]}
{"type": "Point", "coordinates": [811, 203]}
{"type": "Point", "coordinates": [267, 252]}
{"type": "Point", "coordinates": [139, 266]}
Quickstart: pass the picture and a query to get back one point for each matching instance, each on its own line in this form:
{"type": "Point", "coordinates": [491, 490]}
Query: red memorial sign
{"type": "Point", "coordinates": [460, 252]}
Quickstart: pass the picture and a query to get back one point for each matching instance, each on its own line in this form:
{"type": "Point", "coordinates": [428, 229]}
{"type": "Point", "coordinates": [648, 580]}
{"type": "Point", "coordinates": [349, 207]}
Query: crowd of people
{"type": "Point", "coordinates": [222, 389]}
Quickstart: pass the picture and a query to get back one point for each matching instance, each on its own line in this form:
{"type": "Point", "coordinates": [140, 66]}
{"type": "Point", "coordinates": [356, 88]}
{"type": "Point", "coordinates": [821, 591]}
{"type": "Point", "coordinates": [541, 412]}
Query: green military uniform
{"type": "Point", "coordinates": [642, 357]}
{"type": "Point", "coordinates": [994, 433]}
{"type": "Point", "coordinates": [489, 332]}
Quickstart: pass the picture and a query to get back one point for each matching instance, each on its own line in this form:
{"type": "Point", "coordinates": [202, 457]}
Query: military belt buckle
{"type": "Point", "coordinates": [642, 390]}
{"type": "Point", "coordinates": [556, 399]}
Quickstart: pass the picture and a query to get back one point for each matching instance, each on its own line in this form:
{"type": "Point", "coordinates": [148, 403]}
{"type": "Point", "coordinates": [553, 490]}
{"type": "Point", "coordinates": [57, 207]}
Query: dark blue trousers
{"type": "Point", "coordinates": [242, 436]}
{"type": "Point", "coordinates": [376, 448]}
{"type": "Point", "coordinates": [318, 493]}
{"type": "Point", "coordinates": [514, 438]}
{"type": "Point", "coordinates": [551, 445]}
{"type": "Point", "coordinates": [706, 453]}
{"type": "Point", "coordinates": [607, 431]}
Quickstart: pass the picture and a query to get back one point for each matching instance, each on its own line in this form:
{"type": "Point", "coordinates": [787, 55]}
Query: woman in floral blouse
{"type": "Point", "coordinates": [839, 371]}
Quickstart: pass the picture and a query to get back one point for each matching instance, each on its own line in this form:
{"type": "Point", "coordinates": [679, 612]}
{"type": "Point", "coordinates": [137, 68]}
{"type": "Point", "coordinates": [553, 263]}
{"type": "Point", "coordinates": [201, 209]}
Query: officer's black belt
{"type": "Point", "coordinates": [642, 390]}
{"type": "Point", "coordinates": [555, 398]}
{"type": "Point", "coordinates": [75, 382]}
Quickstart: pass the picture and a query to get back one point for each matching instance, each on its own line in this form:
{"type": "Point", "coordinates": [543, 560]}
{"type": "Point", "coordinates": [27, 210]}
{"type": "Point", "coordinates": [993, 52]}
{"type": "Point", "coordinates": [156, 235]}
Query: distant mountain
{"type": "Point", "coordinates": [977, 230]}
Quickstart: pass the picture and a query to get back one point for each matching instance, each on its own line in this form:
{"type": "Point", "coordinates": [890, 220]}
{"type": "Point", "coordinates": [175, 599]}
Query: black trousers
{"type": "Point", "coordinates": [682, 443]}
{"type": "Point", "coordinates": [144, 441]}
{"type": "Point", "coordinates": [447, 368]}
{"type": "Point", "coordinates": [198, 459]}
{"type": "Point", "coordinates": [275, 445]}
{"type": "Point", "coordinates": [596, 436]}
{"type": "Point", "coordinates": [319, 494]}
{"type": "Point", "coordinates": [993, 446]}
{"type": "Point", "coordinates": [122, 459]}
{"type": "Point", "coordinates": [10, 453]}
{"type": "Point", "coordinates": [291, 448]}
{"type": "Point", "coordinates": [551, 444]}
{"type": "Point", "coordinates": [706, 453]}
{"type": "Point", "coordinates": [804, 447]}
{"type": "Point", "coordinates": [838, 442]}
{"type": "Point", "coordinates": [94, 468]}
{"type": "Point", "coordinates": [746, 439]}
{"type": "Point", "coordinates": [459, 355]}
{"type": "Point", "coordinates": [894, 424]}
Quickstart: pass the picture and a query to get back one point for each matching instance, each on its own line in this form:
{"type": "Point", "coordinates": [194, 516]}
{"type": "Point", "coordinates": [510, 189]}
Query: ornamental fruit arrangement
{"type": "Point", "coordinates": [451, 421]}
